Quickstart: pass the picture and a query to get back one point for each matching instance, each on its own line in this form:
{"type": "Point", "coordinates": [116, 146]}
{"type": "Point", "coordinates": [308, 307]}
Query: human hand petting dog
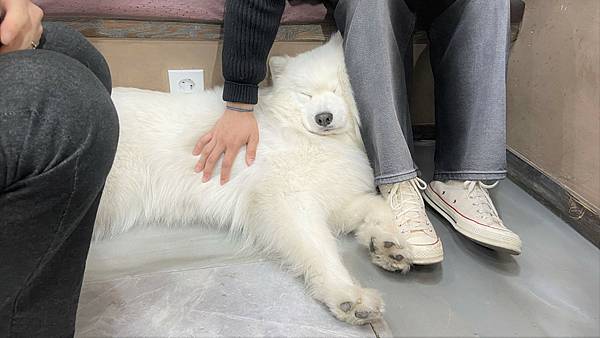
{"type": "Point", "coordinates": [235, 129]}
{"type": "Point", "coordinates": [20, 25]}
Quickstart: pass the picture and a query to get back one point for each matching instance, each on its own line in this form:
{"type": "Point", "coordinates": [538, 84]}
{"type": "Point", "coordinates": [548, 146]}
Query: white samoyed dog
{"type": "Point", "coordinates": [310, 182]}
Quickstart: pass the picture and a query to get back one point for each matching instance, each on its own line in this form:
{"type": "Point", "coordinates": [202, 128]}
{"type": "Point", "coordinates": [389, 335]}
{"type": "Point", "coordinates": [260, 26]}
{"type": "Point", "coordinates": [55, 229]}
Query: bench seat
{"type": "Point", "coordinates": [303, 20]}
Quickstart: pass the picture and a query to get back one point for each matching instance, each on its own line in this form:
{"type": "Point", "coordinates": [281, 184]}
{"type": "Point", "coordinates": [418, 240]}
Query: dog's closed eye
{"type": "Point", "coordinates": [306, 95]}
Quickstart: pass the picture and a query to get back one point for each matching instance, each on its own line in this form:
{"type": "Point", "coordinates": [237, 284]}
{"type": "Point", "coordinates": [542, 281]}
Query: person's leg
{"type": "Point", "coordinates": [58, 136]}
{"type": "Point", "coordinates": [378, 51]}
{"type": "Point", "coordinates": [65, 40]}
{"type": "Point", "coordinates": [469, 51]}
{"type": "Point", "coordinates": [377, 39]}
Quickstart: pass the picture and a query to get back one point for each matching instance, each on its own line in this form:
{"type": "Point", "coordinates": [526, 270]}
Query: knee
{"type": "Point", "coordinates": [42, 80]}
{"type": "Point", "coordinates": [65, 40]}
{"type": "Point", "coordinates": [60, 32]}
{"type": "Point", "coordinates": [68, 106]}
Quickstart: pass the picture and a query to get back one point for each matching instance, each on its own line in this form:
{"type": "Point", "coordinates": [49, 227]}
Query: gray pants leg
{"type": "Point", "coordinates": [58, 137]}
{"type": "Point", "coordinates": [469, 43]}
{"type": "Point", "coordinates": [469, 53]}
{"type": "Point", "coordinates": [378, 47]}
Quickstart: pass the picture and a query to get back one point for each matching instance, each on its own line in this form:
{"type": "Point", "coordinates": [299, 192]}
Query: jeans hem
{"type": "Point", "coordinates": [395, 178]}
{"type": "Point", "coordinates": [469, 175]}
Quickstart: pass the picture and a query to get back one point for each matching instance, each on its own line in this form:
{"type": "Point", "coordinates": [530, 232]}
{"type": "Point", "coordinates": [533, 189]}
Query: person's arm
{"type": "Point", "coordinates": [250, 27]}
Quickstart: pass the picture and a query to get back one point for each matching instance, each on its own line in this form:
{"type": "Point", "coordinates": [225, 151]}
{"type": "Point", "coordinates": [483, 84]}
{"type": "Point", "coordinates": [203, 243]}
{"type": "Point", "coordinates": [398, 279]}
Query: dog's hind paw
{"type": "Point", "coordinates": [364, 307]}
{"type": "Point", "coordinates": [389, 255]}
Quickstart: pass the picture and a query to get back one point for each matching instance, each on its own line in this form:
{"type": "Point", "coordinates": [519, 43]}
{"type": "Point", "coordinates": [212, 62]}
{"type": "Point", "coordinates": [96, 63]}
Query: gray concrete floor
{"type": "Point", "coordinates": [191, 282]}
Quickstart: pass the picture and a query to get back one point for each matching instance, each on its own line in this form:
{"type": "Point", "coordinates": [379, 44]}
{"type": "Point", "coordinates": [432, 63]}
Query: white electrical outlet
{"type": "Point", "coordinates": [186, 81]}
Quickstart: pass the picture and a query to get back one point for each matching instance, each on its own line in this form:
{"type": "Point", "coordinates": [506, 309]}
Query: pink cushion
{"type": "Point", "coordinates": [178, 10]}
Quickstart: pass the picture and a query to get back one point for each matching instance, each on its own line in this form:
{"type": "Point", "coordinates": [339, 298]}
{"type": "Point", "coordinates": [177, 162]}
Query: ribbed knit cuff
{"type": "Point", "coordinates": [240, 92]}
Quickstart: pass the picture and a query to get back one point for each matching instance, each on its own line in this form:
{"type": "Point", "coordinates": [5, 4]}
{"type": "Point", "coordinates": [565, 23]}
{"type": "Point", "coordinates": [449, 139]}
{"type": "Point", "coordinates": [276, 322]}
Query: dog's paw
{"type": "Point", "coordinates": [389, 255]}
{"type": "Point", "coordinates": [360, 307]}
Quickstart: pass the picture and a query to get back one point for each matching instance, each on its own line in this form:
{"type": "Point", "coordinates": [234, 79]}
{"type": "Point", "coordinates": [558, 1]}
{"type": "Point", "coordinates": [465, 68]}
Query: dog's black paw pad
{"type": "Point", "coordinates": [388, 245]}
{"type": "Point", "coordinates": [346, 306]}
{"type": "Point", "coordinates": [397, 257]}
{"type": "Point", "coordinates": [362, 314]}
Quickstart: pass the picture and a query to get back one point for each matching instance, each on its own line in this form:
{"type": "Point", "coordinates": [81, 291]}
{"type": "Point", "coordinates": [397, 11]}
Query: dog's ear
{"type": "Point", "coordinates": [277, 64]}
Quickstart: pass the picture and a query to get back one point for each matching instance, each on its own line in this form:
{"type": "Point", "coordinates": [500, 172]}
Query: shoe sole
{"type": "Point", "coordinates": [429, 261]}
{"type": "Point", "coordinates": [434, 254]}
{"type": "Point", "coordinates": [484, 241]}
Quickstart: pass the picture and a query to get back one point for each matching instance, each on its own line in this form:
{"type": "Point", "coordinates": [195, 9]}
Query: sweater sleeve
{"type": "Point", "coordinates": [250, 27]}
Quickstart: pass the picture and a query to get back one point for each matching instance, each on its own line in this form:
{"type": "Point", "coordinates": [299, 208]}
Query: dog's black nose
{"type": "Point", "coordinates": [324, 119]}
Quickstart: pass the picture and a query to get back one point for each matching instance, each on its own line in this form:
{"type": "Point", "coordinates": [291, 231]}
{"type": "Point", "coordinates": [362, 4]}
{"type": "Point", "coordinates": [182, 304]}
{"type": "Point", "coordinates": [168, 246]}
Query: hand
{"type": "Point", "coordinates": [233, 130]}
{"type": "Point", "coordinates": [21, 25]}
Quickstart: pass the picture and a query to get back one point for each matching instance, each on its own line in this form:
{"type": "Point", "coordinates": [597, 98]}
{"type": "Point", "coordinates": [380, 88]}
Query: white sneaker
{"type": "Point", "coordinates": [469, 208]}
{"type": "Point", "coordinates": [409, 210]}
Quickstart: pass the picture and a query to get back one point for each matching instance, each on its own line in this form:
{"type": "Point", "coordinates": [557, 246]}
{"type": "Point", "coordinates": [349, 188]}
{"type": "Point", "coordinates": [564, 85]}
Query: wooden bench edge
{"type": "Point", "coordinates": [196, 31]}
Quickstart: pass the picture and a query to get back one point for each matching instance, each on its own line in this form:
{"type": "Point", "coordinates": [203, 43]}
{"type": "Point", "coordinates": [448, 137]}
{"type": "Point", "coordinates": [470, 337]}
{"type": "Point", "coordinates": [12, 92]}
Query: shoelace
{"type": "Point", "coordinates": [478, 191]}
{"type": "Point", "coordinates": [407, 200]}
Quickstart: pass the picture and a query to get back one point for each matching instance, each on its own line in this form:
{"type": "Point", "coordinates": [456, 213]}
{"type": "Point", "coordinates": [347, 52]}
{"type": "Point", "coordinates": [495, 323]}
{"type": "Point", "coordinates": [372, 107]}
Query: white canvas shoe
{"type": "Point", "coordinates": [409, 211]}
{"type": "Point", "coordinates": [469, 208]}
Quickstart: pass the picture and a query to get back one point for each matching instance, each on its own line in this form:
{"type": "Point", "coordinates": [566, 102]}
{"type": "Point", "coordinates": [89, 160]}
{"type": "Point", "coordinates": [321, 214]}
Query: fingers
{"type": "Point", "coordinates": [232, 131]}
{"type": "Point", "coordinates": [206, 151]}
{"type": "Point", "coordinates": [251, 149]}
{"type": "Point", "coordinates": [37, 15]}
{"type": "Point", "coordinates": [230, 155]}
{"type": "Point", "coordinates": [202, 142]}
{"type": "Point", "coordinates": [15, 21]}
{"type": "Point", "coordinates": [22, 28]}
{"type": "Point", "coordinates": [211, 161]}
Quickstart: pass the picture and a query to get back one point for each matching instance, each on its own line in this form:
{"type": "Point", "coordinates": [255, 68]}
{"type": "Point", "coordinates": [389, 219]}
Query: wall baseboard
{"type": "Point", "coordinates": [543, 188]}
{"type": "Point", "coordinates": [554, 196]}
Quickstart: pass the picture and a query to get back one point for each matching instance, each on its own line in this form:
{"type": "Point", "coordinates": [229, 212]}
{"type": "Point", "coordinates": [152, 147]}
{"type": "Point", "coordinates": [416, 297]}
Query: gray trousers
{"type": "Point", "coordinates": [58, 137]}
{"type": "Point", "coordinates": [469, 41]}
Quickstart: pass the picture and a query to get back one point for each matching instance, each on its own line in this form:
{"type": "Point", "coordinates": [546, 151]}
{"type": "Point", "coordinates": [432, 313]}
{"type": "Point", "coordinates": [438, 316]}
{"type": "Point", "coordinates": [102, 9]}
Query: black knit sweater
{"type": "Point", "coordinates": [249, 29]}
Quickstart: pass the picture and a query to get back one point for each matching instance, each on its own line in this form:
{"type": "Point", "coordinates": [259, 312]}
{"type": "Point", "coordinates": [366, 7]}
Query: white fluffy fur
{"type": "Point", "coordinates": [307, 185]}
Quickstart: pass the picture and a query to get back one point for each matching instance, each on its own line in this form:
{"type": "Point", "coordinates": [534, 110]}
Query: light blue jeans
{"type": "Point", "coordinates": [469, 41]}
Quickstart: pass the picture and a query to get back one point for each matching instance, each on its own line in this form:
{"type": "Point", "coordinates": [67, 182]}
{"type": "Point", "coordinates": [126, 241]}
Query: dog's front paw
{"type": "Point", "coordinates": [387, 245]}
{"type": "Point", "coordinates": [358, 307]}
{"type": "Point", "coordinates": [389, 255]}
